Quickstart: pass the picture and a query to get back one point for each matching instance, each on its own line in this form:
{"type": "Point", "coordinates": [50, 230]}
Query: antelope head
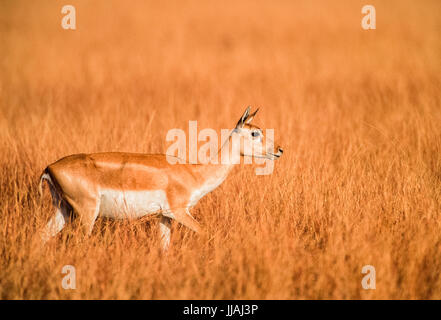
{"type": "Point", "coordinates": [254, 142]}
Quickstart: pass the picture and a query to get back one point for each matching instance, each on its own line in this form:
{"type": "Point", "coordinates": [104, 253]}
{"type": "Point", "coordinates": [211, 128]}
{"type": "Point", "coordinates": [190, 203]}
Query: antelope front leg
{"type": "Point", "coordinates": [164, 229]}
{"type": "Point", "coordinates": [184, 217]}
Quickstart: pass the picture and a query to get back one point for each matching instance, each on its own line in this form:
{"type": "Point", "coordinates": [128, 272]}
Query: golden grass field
{"type": "Point", "coordinates": [357, 113]}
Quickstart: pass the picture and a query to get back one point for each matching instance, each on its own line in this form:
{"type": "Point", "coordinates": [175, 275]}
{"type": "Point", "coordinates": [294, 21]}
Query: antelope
{"type": "Point", "coordinates": [121, 185]}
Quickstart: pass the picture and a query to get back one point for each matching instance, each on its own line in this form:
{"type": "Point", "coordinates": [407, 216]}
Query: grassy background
{"type": "Point", "coordinates": [357, 112]}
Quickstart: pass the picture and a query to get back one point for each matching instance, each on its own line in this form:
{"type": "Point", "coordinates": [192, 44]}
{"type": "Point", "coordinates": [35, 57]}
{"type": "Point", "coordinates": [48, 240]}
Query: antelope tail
{"type": "Point", "coordinates": [44, 176]}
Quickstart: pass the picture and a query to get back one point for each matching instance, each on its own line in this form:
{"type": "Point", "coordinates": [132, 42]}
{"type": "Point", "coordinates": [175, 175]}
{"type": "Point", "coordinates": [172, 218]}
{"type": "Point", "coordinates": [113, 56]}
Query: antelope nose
{"type": "Point", "coordinates": [280, 150]}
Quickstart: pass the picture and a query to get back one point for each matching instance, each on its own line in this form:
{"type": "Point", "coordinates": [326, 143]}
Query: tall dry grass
{"type": "Point", "coordinates": [357, 112]}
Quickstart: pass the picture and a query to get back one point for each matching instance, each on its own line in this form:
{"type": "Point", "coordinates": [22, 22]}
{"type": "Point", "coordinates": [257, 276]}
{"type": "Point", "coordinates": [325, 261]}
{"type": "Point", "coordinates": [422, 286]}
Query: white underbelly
{"type": "Point", "coordinates": [131, 204]}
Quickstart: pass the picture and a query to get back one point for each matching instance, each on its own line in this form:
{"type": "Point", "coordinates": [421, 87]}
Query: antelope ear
{"type": "Point", "coordinates": [244, 117]}
{"type": "Point", "coordinates": [251, 116]}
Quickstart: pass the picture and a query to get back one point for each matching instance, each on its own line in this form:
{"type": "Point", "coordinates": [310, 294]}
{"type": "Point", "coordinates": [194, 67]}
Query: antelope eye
{"type": "Point", "coordinates": [255, 133]}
